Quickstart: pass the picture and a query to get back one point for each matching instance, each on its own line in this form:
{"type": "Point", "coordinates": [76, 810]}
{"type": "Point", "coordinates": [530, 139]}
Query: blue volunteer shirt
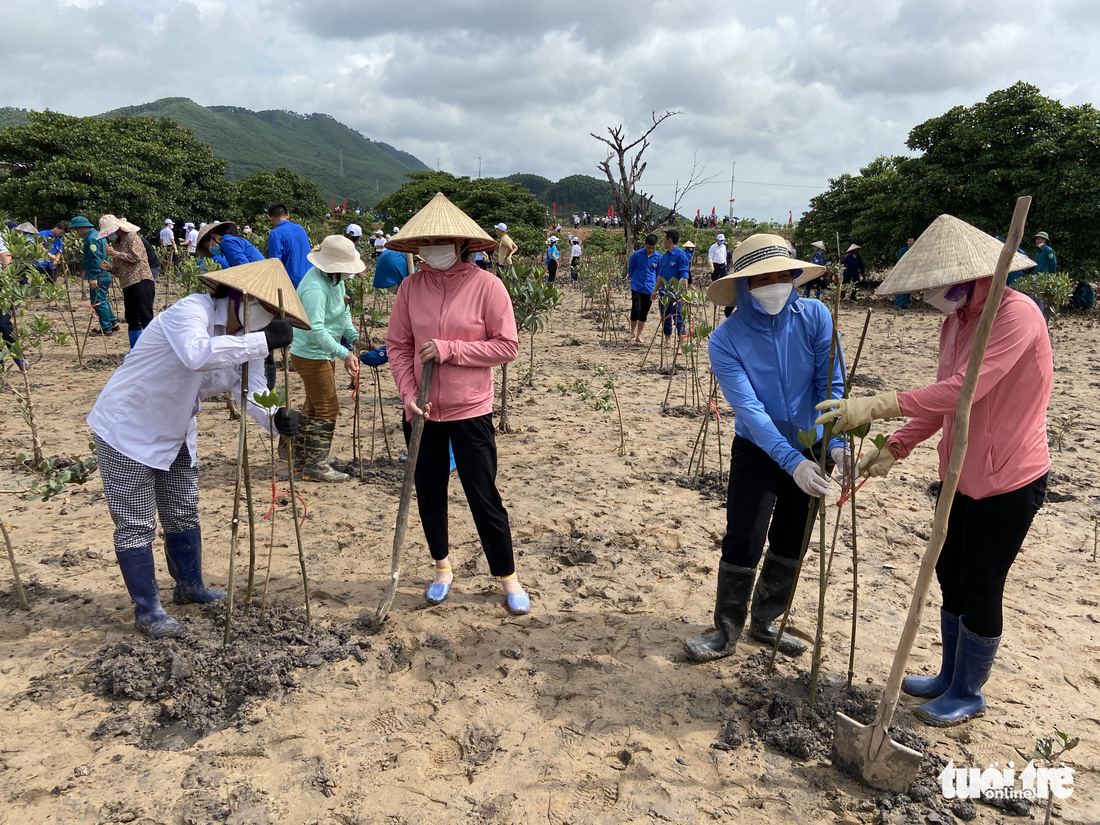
{"type": "Point", "coordinates": [237, 251]}
{"type": "Point", "coordinates": [674, 264]}
{"type": "Point", "coordinates": [290, 244]}
{"type": "Point", "coordinates": [53, 246]}
{"type": "Point", "coordinates": [642, 270]}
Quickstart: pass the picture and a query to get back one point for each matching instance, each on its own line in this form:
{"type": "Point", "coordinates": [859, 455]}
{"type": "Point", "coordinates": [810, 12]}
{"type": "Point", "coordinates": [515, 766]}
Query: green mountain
{"type": "Point", "coordinates": [343, 162]}
{"type": "Point", "coordinates": [574, 194]}
{"type": "Point", "coordinates": [10, 116]}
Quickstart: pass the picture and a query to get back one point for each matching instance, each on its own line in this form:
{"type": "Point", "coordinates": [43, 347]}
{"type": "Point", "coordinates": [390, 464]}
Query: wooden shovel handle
{"type": "Point", "coordinates": [410, 469]}
{"type": "Point", "coordinates": [951, 481]}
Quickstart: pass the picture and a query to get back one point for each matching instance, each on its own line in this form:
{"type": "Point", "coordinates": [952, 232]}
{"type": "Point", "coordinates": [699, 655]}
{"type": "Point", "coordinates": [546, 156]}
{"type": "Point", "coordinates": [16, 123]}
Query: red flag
{"type": "Point", "coordinates": [790, 217]}
{"type": "Point", "coordinates": [712, 211]}
{"type": "Point", "coordinates": [613, 210]}
{"type": "Point", "coordinates": [698, 212]}
{"type": "Point", "coordinates": [555, 209]}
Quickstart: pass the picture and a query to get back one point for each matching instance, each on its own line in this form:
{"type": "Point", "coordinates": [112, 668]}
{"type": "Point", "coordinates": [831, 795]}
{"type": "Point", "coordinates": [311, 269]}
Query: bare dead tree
{"type": "Point", "coordinates": [694, 181]}
{"type": "Point", "coordinates": [623, 167]}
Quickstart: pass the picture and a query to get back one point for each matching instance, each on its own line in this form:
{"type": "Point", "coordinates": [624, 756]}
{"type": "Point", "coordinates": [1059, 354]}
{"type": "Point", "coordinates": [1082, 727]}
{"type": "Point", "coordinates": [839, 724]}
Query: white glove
{"type": "Point", "coordinates": [809, 479]}
{"type": "Point", "coordinates": [843, 460]}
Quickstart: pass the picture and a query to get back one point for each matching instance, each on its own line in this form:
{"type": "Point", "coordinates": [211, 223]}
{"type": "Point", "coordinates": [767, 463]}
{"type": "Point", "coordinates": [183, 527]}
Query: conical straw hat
{"type": "Point", "coordinates": [441, 220]}
{"type": "Point", "coordinates": [948, 252]}
{"type": "Point", "coordinates": [262, 280]}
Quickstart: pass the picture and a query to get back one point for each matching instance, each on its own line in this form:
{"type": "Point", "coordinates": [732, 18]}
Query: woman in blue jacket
{"type": "Point", "coordinates": [771, 358]}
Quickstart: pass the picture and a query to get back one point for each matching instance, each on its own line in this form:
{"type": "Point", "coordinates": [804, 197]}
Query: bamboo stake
{"type": "Point", "coordinates": [290, 470]}
{"type": "Point", "coordinates": [251, 521]}
{"type": "Point", "coordinates": [19, 591]}
{"type": "Point", "coordinates": [234, 525]}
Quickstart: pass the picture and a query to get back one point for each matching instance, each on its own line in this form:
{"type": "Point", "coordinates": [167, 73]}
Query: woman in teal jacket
{"type": "Point", "coordinates": [315, 351]}
{"type": "Point", "coordinates": [771, 359]}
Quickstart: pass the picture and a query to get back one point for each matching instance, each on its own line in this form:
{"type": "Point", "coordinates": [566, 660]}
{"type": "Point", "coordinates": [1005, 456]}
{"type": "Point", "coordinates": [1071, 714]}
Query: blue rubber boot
{"type": "Point", "coordinates": [184, 552]}
{"type": "Point", "coordinates": [929, 687]}
{"type": "Point", "coordinates": [963, 700]}
{"type": "Point", "coordinates": [133, 334]}
{"type": "Point", "coordinates": [139, 573]}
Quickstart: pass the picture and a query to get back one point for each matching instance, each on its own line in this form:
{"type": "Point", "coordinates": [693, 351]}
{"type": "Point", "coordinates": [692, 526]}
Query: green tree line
{"type": "Point", "coordinates": [973, 163]}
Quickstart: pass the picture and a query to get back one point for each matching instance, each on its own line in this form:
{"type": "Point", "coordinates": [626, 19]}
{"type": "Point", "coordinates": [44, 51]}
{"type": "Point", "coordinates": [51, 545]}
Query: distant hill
{"type": "Point", "coordinates": [343, 162]}
{"type": "Point", "coordinates": [10, 116]}
{"type": "Point", "coordinates": [573, 194]}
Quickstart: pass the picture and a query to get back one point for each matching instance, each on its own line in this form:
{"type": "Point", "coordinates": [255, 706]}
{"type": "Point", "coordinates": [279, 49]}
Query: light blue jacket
{"type": "Point", "coordinates": [774, 369]}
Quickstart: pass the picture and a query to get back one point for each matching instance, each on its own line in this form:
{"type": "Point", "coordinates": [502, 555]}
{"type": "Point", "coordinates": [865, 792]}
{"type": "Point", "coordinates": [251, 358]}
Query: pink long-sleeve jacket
{"type": "Point", "coordinates": [1007, 447]}
{"type": "Point", "coordinates": [468, 313]}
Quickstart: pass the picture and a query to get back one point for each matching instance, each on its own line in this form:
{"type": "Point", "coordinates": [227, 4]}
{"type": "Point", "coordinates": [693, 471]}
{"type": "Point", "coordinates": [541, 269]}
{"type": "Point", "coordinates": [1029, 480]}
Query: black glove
{"type": "Point", "coordinates": [279, 333]}
{"type": "Point", "coordinates": [287, 421]}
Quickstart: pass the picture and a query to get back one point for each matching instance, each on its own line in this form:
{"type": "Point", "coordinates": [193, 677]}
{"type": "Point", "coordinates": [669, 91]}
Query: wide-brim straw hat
{"type": "Point", "coordinates": [262, 280]}
{"type": "Point", "coordinates": [337, 254]}
{"type": "Point", "coordinates": [818, 245]}
{"type": "Point", "coordinates": [441, 220]}
{"type": "Point", "coordinates": [109, 224]}
{"type": "Point", "coordinates": [220, 226]}
{"type": "Point", "coordinates": [950, 251]}
{"type": "Point", "coordinates": [759, 255]}
{"type": "Point", "coordinates": [27, 226]}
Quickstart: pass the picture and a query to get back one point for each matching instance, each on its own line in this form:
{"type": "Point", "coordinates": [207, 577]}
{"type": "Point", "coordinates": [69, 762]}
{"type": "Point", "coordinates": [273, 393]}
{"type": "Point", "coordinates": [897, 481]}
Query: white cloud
{"type": "Point", "coordinates": [794, 95]}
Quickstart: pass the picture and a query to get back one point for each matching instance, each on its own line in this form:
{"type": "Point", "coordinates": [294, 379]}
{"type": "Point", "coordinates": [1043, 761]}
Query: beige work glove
{"type": "Point", "coordinates": [876, 463]}
{"type": "Point", "coordinates": [849, 413]}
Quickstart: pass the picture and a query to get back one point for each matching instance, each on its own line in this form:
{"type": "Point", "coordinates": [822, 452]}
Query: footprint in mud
{"type": "Point", "coordinates": [598, 794]}
{"type": "Point", "coordinates": [388, 723]}
{"type": "Point", "coordinates": [478, 745]}
{"type": "Point", "coordinates": [445, 753]}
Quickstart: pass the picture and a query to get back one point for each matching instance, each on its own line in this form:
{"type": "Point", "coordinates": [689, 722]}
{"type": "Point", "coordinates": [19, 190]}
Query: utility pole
{"type": "Point", "coordinates": [733, 174]}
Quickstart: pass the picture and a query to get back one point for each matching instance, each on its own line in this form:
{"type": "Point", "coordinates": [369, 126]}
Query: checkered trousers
{"type": "Point", "coordinates": [136, 493]}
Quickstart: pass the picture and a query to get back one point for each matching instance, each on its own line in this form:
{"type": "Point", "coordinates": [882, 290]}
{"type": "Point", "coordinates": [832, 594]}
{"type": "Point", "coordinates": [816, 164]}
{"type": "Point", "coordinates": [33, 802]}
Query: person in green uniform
{"type": "Point", "coordinates": [99, 279]}
{"type": "Point", "coordinates": [1046, 262]}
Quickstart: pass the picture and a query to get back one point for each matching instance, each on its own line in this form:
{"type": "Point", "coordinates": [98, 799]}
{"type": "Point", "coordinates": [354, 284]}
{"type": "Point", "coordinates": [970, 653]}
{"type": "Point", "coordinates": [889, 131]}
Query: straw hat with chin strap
{"type": "Point", "coordinates": [950, 251]}
{"type": "Point", "coordinates": [221, 227]}
{"type": "Point", "coordinates": [262, 280]}
{"type": "Point", "coordinates": [760, 255]}
{"type": "Point", "coordinates": [109, 225]}
{"type": "Point", "coordinates": [438, 222]}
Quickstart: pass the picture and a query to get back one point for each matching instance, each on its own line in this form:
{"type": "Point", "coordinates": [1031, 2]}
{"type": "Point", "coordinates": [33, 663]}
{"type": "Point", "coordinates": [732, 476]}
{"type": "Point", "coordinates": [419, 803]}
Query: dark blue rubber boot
{"type": "Point", "coordinates": [139, 573]}
{"type": "Point", "coordinates": [929, 687]}
{"type": "Point", "coordinates": [963, 699]}
{"type": "Point", "coordinates": [133, 335]}
{"type": "Point", "coordinates": [184, 552]}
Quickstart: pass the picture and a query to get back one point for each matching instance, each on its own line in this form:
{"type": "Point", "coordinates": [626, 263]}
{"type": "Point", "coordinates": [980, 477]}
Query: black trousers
{"type": "Point", "coordinates": [474, 443]}
{"type": "Point", "coordinates": [137, 302]}
{"type": "Point", "coordinates": [640, 302]}
{"type": "Point", "coordinates": [551, 270]}
{"type": "Point", "coordinates": [720, 271]}
{"type": "Point", "coordinates": [984, 537]}
{"type": "Point", "coordinates": [760, 494]}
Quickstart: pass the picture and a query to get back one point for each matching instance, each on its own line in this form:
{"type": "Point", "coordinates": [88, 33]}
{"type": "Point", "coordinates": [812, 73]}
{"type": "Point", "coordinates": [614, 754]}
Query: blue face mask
{"type": "Point", "coordinates": [216, 249]}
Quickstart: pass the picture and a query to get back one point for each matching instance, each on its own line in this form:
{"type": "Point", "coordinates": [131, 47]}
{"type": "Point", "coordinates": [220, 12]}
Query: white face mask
{"type": "Point", "coordinates": [441, 258]}
{"type": "Point", "coordinates": [258, 316]}
{"type": "Point", "coordinates": [938, 299]}
{"type": "Point", "coordinates": [773, 297]}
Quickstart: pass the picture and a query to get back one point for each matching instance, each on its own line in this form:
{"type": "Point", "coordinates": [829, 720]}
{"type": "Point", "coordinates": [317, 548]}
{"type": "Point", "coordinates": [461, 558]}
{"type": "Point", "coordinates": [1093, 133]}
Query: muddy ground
{"type": "Point", "coordinates": [584, 711]}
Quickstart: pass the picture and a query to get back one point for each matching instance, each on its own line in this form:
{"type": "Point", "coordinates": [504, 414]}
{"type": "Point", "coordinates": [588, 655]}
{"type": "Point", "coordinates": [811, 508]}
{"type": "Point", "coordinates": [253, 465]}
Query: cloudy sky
{"type": "Point", "coordinates": [793, 92]}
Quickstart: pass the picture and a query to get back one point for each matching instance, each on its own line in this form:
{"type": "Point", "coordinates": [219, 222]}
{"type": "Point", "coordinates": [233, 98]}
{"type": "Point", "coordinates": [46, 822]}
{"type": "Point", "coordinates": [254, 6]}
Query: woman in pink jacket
{"type": "Point", "coordinates": [1004, 476]}
{"type": "Point", "coordinates": [457, 314]}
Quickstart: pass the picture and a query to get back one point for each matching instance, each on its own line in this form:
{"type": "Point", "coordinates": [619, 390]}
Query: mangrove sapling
{"type": "Point", "coordinates": [242, 458]}
{"type": "Point", "coordinates": [269, 401]}
{"type": "Point", "coordinates": [20, 284]}
{"type": "Point", "coordinates": [382, 415]}
{"type": "Point", "coordinates": [290, 463]}
{"type": "Point", "coordinates": [1050, 753]}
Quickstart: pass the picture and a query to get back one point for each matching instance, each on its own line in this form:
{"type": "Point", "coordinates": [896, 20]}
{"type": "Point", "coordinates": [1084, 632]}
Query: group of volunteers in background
{"type": "Point", "coordinates": [771, 358]}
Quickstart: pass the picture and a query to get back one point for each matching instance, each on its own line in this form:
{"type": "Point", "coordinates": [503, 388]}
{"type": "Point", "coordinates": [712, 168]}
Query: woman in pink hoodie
{"type": "Point", "coordinates": [1004, 476]}
{"type": "Point", "coordinates": [460, 316]}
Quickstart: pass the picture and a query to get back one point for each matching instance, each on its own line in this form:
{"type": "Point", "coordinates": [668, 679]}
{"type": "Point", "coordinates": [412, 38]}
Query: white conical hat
{"type": "Point", "coordinates": [950, 251]}
{"type": "Point", "coordinates": [441, 220]}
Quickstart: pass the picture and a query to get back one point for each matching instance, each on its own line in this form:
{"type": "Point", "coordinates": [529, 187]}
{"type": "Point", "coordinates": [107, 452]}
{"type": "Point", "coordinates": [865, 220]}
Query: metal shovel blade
{"type": "Point", "coordinates": [892, 767]}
